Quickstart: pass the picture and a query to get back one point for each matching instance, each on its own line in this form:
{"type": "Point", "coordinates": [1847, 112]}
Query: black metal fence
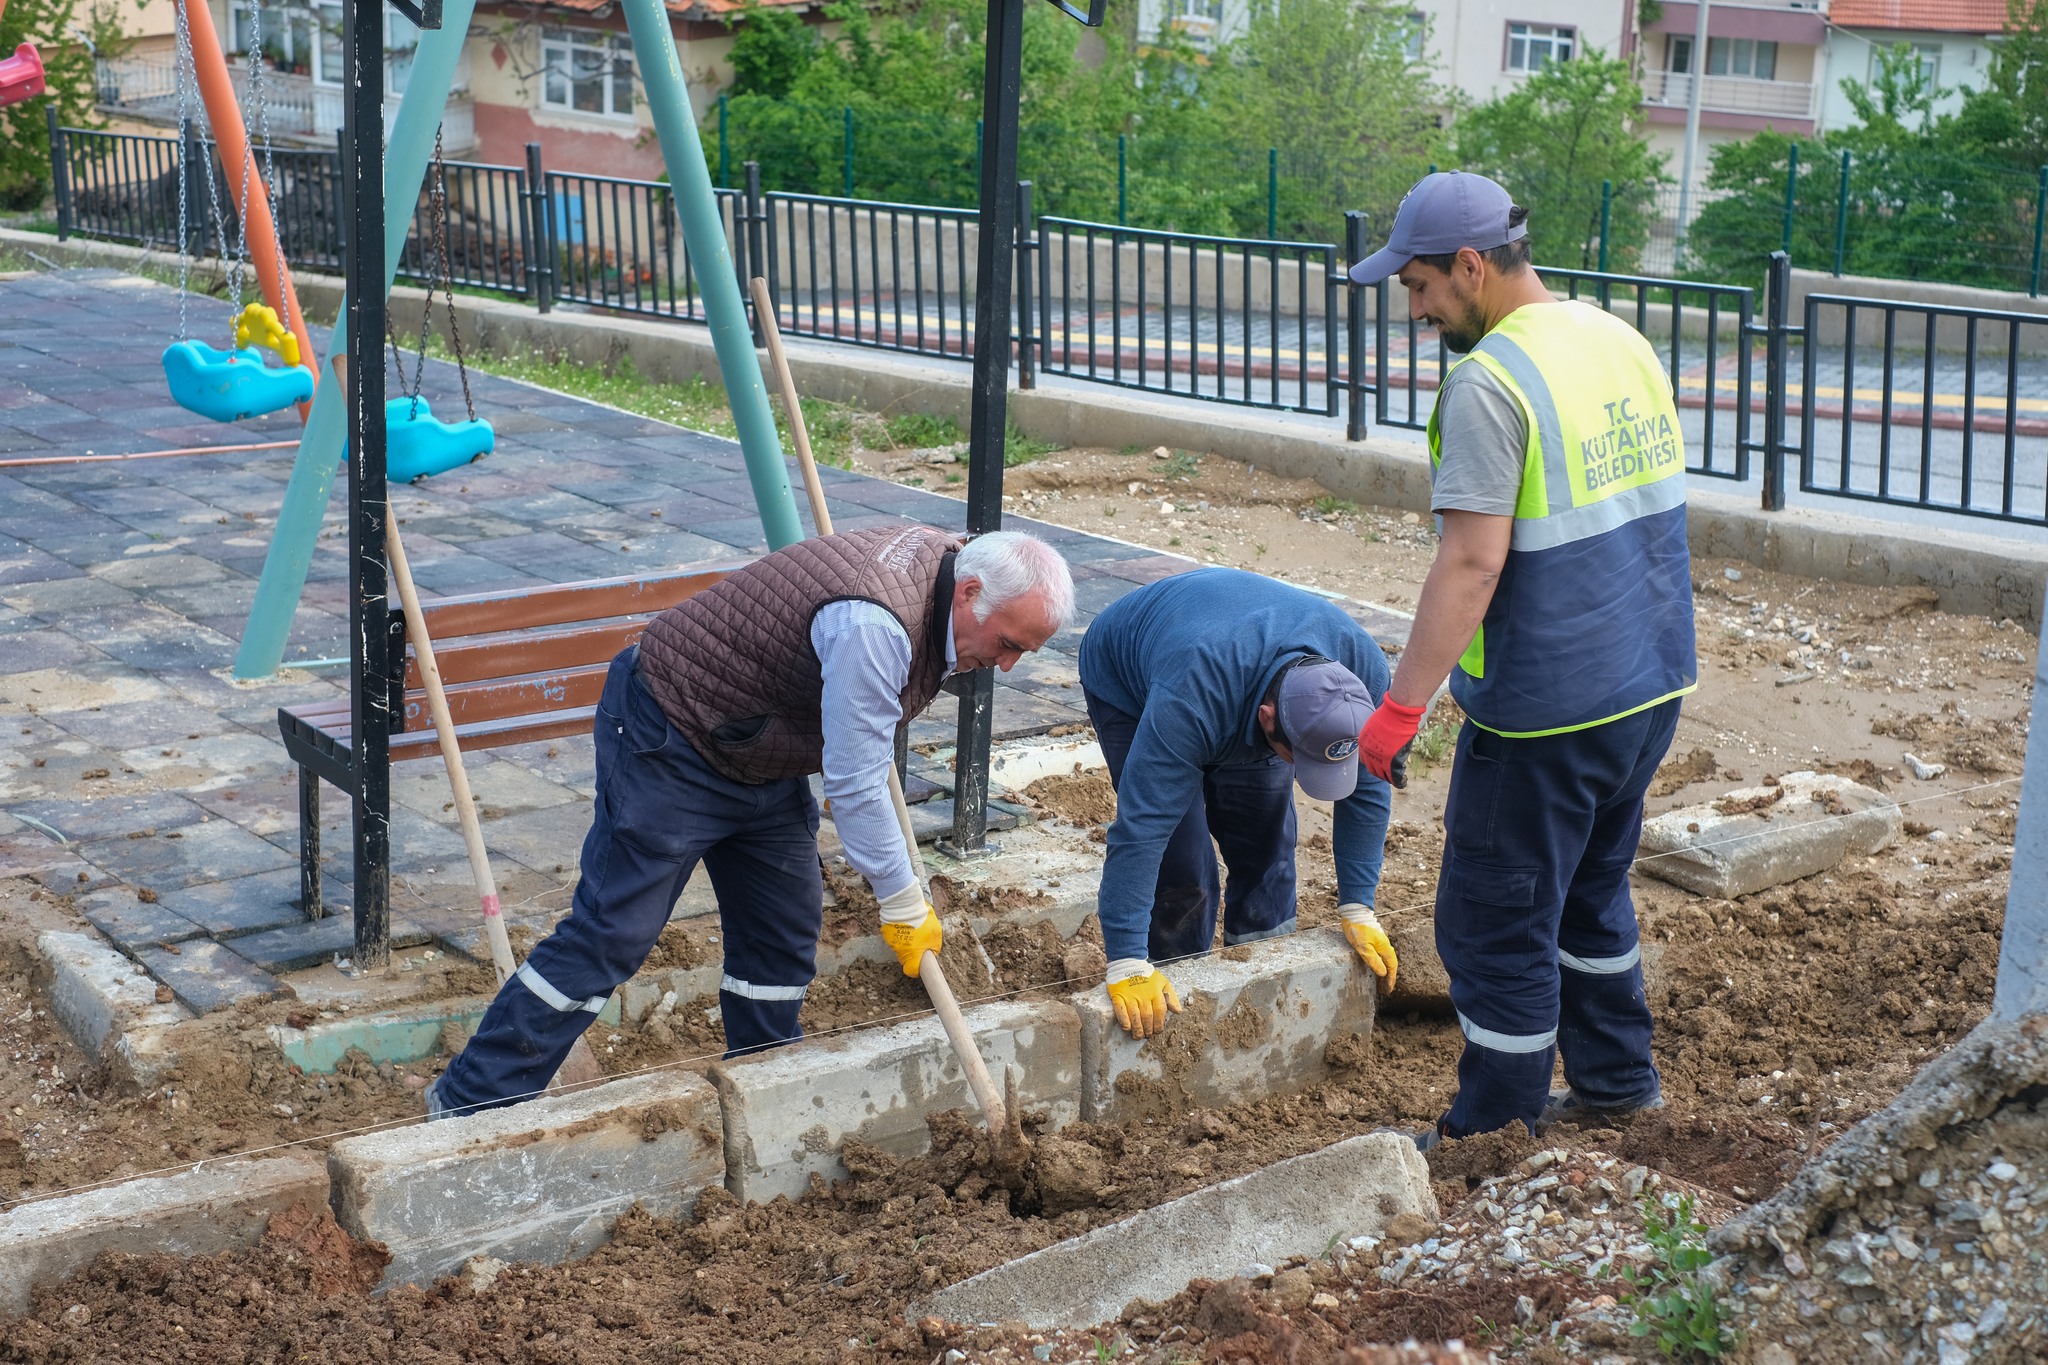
{"type": "Point", "coordinates": [124, 187]}
{"type": "Point", "coordinates": [1254, 323]}
{"type": "Point", "coordinates": [1915, 405]}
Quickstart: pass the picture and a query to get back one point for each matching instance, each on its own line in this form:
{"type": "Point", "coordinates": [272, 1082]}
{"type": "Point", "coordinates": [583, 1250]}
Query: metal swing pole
{"type": "Point", "coordinates": [231, 135]}
{"type": "Point", "coordinates": [739, 365]}
{"type": "Point", "coordinates": [372, 703]}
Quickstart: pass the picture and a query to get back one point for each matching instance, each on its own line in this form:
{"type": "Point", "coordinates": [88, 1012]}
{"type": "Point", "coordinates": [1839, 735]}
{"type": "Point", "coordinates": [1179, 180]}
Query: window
{"type": "Point", "coordinates": [1531, 47]}
{"type": "Point", "coordinates": [1742, 57]}
{"type": "Point", "coordinates": [587, 71]}
{"type": "Point", "coordinates": [1678, 53]}
{"type": "Point", "coordinates": [400, 41]}
{"type": "Point", "coordinates": [287, 35]}
{"type": "Point", "coordinates": [1930, 61]}
{"type": "Point", "coordinates": [1415, 30]}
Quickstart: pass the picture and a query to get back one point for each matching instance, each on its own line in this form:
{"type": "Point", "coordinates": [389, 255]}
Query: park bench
{"type": "Point", "coordinates": [517, 666]}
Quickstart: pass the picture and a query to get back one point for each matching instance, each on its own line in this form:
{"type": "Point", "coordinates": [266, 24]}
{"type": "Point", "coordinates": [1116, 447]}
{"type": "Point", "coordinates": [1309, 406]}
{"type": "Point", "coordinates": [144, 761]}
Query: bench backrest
{"type": "Point", "coordinates": [509, 654]}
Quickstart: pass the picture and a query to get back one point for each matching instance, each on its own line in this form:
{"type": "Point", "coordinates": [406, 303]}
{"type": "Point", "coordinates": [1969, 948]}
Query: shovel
{"type": "Point", "coordinates": [1005, 1125]}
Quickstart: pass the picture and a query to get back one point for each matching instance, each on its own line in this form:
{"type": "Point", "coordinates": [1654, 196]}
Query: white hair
{"type": "Point", "coordinates": [1013, 564]}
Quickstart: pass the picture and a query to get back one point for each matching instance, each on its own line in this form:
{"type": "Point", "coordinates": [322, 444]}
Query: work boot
{"type": "Point", "coordinates": [435, 1109]}
{"type": "Point", "coordinates": [1564, 1106]}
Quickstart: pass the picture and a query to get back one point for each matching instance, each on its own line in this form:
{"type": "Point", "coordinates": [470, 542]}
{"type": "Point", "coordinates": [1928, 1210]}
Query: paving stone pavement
{"type": "Point", "coordinates": [131, 761]}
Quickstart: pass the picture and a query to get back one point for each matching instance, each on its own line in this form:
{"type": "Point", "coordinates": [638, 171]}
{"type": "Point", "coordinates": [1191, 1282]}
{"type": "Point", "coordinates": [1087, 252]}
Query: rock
{"type": "Point", "coordinates": [479, 1273]}
{"type": "Point", "coordinates": [1924, 770]}
{"type": "Point", "coordinates": [1069, 1175]}
{"type": "Point", "coordinates": [1292, 1289]}
{"type": "Point", "coordinates": [1407, 1228]}
{"type": "Point", "coordinates": [1323, 1302]}
{"type": "Point", "coordinates": [1732, 575]}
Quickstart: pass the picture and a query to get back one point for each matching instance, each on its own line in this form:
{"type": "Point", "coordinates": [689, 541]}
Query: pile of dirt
{"type": "Point", "coordinates": [1084, 799]}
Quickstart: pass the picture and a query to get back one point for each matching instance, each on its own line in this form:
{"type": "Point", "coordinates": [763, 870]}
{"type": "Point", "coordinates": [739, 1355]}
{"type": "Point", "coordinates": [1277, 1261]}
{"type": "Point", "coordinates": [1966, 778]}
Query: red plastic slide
{"type": "Point", "coordinates": [21, 76]}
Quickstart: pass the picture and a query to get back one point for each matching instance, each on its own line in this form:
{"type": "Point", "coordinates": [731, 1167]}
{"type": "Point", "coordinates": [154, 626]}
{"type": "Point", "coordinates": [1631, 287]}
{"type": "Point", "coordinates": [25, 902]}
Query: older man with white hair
{"type": "Point", "coordinates": [805, 661]}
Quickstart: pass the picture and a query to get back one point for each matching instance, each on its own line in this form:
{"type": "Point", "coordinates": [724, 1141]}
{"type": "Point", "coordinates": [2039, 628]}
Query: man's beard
{"type": "Point", "coordinates": [1467, 332]}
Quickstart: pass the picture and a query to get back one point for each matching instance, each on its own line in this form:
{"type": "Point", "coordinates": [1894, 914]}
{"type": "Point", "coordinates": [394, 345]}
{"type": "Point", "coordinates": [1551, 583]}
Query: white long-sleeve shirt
{"type": "Point", "coordinates": [866, 663]}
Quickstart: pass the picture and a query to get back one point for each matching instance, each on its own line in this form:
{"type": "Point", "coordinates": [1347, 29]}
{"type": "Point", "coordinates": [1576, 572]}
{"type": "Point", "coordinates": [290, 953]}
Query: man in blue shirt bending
{"type": "Point", "coordinates": [1212, 693]}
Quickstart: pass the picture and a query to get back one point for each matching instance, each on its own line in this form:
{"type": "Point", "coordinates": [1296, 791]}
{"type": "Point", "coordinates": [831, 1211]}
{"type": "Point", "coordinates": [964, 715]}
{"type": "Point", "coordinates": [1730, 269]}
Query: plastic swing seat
{"type": "Point", "coordinates": [21, 76]}
{"type": "Point", "coordinates": [229, 385]}
{"type": "Point", "coordinates": [418, 445]}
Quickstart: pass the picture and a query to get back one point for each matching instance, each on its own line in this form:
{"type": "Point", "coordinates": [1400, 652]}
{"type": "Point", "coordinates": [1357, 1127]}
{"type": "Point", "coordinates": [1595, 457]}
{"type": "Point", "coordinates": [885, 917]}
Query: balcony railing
{"type": "Point", "coordinates": [1733, 94]}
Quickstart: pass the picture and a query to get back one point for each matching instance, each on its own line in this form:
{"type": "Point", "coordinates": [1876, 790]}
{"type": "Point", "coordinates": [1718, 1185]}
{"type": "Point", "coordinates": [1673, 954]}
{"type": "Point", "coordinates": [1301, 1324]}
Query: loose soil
{"type": "Point", "coordinates": [1783, 1017]}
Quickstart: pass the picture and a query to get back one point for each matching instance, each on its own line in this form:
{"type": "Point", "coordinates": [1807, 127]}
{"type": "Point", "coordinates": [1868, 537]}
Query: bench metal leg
{"type": "Point", "coordinates": [309, 844]}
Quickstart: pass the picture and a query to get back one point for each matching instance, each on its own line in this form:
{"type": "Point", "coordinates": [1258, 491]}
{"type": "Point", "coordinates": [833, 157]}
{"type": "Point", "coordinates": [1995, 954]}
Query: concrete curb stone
{"type": "Point", "coordinates": [1296, 1207]}
{"type": "Point", "coordinates": [1761, 837]}
{"type": "Point", "coordinates": [1257, 1020]}
{"type": "Point", "coordinates": [788, 1111]}
{"type": "Point", "coordinates": [541, 1181]}
{"type": "Point", "coordinates": [214, 1207]}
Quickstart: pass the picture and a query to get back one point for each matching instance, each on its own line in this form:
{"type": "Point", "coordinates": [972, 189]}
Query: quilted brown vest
{"type": "Point", "coordinates": [733, 667]}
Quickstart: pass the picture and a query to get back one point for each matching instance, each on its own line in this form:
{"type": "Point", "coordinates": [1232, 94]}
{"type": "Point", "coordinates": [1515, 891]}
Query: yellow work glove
{"type": "Point", "coordinates": [911, 927]}
{"type": "Point", "coordinates": [1362, 929]}
{"type": "Point", "coordinates": [1141, 995]}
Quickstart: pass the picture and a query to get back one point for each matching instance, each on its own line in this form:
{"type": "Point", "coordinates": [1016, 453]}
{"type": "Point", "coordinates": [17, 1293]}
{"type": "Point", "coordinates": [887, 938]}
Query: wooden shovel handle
{"type": "Point", "coordinates": [928, 971]}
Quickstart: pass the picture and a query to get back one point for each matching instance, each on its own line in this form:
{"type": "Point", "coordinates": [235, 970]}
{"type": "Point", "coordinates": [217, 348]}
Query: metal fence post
{"type": "Point", "coordinates": [540, 252]}
{"type": "Point", "coordinates": [1272, 193]}
{"type": "Point", "coordinates": [1842, 214]}
{"type": "Point", "coordinates": [340, 183]}
{"type": "Point", "coordinates": [1606, 219]}
{"type": "Point", "coordinates": [1027, 243]}
{"type": "Point", "coordinates": [1777, 289]}
{"type": "Point", "coordinates": [2022, 987]}
{"type": "Point", "coordinates": [749, 254]}
{"type": "Point", "coordinates": [2040, 220]}
{"type": "Point", "coordinates": [60, 170]}
{"type": "Point", "coordinates": [1791, 197]}
{"type": "Point", "coordinates": [724, 149]}
{"type": "Point", "coordinates": [1123, 184]}
{"type": "Point", "coordinates": [847, 113]}
{"type": "Point", "coordinates": [1355, 224]}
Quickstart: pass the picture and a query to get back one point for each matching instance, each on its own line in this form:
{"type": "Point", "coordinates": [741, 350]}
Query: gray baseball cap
{"type": "Point", "coordinates": [1321, 708]}
{"type": "Point", "coordinates": [1445, 212]}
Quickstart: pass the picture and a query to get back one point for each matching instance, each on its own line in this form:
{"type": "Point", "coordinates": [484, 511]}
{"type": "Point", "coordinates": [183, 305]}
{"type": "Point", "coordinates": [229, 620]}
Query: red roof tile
{"type": "Point", "coordinates": [1925, 16]}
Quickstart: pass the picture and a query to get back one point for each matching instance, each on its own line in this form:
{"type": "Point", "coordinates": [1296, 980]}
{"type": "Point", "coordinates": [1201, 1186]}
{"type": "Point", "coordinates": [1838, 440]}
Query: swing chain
{"type": "Point", "coordinates": [437, 247]}
{"type": "Point", "coordinates": [259, 96]}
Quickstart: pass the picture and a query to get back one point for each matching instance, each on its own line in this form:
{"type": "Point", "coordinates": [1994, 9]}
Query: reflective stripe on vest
{"type": "Point", "coordinates": [1592, 617]}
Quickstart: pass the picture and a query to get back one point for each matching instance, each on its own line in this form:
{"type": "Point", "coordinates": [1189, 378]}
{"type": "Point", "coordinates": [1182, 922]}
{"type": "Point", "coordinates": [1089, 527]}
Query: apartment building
{"type": "Point", "coordinates": [559, 73]}
{"type": "Point", "coordinates": [1952, 38]}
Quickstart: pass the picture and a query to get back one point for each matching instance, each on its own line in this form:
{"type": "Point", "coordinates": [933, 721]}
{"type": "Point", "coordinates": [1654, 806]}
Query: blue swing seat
{"type": "Point", "coordinates": [416, 446]}
{"type": "Point", "coordinates": [230, 385]}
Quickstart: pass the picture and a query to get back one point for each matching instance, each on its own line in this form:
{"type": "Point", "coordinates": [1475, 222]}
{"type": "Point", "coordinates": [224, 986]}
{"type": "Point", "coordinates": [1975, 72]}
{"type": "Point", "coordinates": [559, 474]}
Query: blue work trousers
{"type": "Point", "coordinates": [1248, 809]}
{"type": "Point", "coordinates": [660, 809]}
{"type": "Point", "coordinates": [1534, 920]}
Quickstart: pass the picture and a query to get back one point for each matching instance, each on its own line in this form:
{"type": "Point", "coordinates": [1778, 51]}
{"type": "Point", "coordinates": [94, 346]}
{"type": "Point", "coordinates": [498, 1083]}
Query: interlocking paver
{"type": "Point", "coordinates": [204, 977]}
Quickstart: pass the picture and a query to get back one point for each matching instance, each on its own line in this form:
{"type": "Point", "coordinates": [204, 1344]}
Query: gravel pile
{"type": "Point", "coordinates": [1922, 1236]}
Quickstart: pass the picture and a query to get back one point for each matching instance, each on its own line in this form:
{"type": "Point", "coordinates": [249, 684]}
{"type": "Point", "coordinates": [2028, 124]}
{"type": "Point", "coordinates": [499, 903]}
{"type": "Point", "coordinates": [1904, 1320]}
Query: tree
{"type": "Point", "coordinates": [1930, 196]}
{"type": "Point", "coordinates": [1552, 141]}
{"type": "Point", "coordinates": [68, 73]}
{"type": "Point", "coordinates": [2012, 108]}
{"type": "Point", "coordinates": [1331, 85]}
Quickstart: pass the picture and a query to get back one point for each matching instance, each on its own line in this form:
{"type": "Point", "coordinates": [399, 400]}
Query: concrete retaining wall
{"type": "Point", "coordinates": [1978, 574]}
{"type": "Point", "coordinates": [1911, 330]}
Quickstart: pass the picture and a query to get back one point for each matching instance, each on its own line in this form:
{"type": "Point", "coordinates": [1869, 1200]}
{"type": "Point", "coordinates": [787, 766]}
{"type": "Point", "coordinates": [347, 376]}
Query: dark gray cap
{"type": "Point", "coordinates": [1321, 708]}
{"type": "Point", "coordinates": [1445, 212]}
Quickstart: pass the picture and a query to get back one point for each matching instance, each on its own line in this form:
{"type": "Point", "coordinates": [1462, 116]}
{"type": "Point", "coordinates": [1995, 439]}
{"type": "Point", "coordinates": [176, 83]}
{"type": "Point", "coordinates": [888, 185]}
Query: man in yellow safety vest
{"type": "Point", "coordinates": [1560, 604]}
